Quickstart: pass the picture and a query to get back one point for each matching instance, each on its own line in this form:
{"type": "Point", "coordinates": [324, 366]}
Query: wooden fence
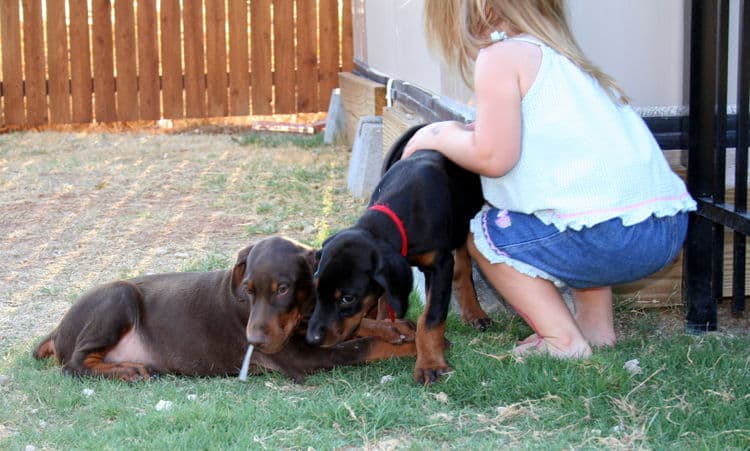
{"type": "Point", "coordinates": [77, 61]}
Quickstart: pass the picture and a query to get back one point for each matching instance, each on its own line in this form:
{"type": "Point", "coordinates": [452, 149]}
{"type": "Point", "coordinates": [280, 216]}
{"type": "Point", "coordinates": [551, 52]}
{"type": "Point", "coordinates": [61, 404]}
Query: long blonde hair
{"type": "Point", "coordinates": [458, 29]}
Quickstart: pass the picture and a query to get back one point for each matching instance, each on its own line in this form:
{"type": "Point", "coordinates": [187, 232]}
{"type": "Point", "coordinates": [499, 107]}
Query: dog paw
{"type": "Point", "coordinates": [134, 372]}
{"type": "Point", "coordinates": [428, 376]}
{"type": "Point", "coordinates": [481, 324]}
{"type": "Point", "coordinates": [405, 330]}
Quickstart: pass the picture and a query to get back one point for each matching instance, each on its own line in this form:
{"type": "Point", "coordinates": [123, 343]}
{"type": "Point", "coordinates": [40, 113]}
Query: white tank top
{"type": "Point", "coordinates": [584, 159]}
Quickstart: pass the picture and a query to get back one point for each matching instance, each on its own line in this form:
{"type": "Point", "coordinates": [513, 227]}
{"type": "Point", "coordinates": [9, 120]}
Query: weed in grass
{"type": "Point", "coordinates": [267, 228]}
{"type": "Point", "coordinates": [264, 208]}
{"type": "Point", "coordinates": [210, 262]}
{"type": "Point", "coordinates": [275, 140]}
{"type": "Point", "coordinates": [215, 182]}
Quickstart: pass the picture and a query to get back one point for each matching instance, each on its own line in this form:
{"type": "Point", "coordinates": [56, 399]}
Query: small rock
{"type": "Point", "coordinates": [192, 397]}
{"type": "Point", "coordinates": [441, 397]}
{"type": "Point", "coordinates": [4, 380]}
{"type": "Point", "coordinates": [181, 255]}
{"type": "Point", "coordinates": [87, 392]}
{"type": "Point", "coordinates": [633, 366]}
{"type": "Point", "coordinates": [163, 405]}
{"type": "Point", "coordinates": [385, 379]}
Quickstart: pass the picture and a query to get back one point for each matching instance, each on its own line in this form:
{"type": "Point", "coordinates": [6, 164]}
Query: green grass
{"type": "Point", "coordinates": [693, 392]}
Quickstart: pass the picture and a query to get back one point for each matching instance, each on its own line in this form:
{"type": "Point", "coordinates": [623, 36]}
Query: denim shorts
{"type": "Point", "coordinates": [607, 253]}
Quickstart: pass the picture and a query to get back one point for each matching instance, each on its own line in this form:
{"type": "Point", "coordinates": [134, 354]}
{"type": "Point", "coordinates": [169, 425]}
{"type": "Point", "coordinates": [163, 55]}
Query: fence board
{"type": "Point", "coordinates": [10, 33]}
{"type": "Point", "coordinates": [347, 37]}
{"type": "Point", "coordinates": [195, 82]}
{"type": "Point", "coordinates": [148, 61]}
{"type": "Point", "coordinates": [329, 50]}
{"type": "Point", "coordinates": [260, 56]}
{"type": "Point", "coordinates": [57, 63]}
{"type": "Point", "coordinates": [126, 84]}
{"type": "Point", "coordinates": [104, 80]}
{"type": "Point", "coordinates": [34, 68]}
{"type": "Point", "coordinates": [239, 69]}
{"type": "Point", "coordinates": [80, 62]}
{"type": "Point", "coordinates": [284, 79]}
{"type": "Point", "coordinates": [171, 62]}
{"type": "Point", "coordinates": [216, 58]}
{"type": "Point", "coordinates": [307, 58]}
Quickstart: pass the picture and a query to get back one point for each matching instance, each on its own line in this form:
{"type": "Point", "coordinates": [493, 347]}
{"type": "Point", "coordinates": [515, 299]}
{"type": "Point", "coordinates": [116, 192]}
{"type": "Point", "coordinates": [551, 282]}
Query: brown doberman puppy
{"type": "Point", "coordinates": [418, 215]}
{"type": "Point", "coordinates": [199, 323]}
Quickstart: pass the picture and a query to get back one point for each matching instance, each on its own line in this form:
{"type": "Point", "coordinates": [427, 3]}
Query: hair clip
{"type": "Point", "coordinates": [497, 36]}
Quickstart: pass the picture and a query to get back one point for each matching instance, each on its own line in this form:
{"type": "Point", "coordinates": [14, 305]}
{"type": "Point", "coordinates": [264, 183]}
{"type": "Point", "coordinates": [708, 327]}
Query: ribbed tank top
{"type": "Point", "coordinates": [584, 158]}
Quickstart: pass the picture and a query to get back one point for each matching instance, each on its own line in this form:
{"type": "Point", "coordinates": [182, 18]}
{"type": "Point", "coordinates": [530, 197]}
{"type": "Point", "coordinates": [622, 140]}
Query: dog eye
{"type": "Point", "coordinates": [283, 289]}
{"type": "Point", "coordinates": [347, 299]}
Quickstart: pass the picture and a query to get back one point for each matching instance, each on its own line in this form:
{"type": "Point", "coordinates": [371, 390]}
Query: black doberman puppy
{"type": "Point", "coordinates": [199, 323]}
{"type": "Point", "coordinates": [418, 214]}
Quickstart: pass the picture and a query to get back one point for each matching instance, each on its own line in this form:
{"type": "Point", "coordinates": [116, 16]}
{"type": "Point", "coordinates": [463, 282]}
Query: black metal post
{"type": "Point", "coordinates": [700, 263]}
{"type": "Point", "coordinates": [740, 176]}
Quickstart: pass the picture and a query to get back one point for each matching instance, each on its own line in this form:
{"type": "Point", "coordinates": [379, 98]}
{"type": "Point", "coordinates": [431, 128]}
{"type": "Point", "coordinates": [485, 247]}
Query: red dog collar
{"type": "Point", "coordinates": [396, 220]}
{"type": "Point", "coordinates": [386, 210]}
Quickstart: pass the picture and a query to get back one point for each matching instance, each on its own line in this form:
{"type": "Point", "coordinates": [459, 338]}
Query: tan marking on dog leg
{"type": "Point", "coordinates": [126, 371]}
{"type": "Point", "coordinates": [399, 331]}
{"type": "Point", "coordinates": [46, 349]}
{"type": "Point", "coordinates": [382, 350]}
{"type": "Point", "coordinates": [431, 362]}
{"type": "Point", "coordinates": [466, 295]}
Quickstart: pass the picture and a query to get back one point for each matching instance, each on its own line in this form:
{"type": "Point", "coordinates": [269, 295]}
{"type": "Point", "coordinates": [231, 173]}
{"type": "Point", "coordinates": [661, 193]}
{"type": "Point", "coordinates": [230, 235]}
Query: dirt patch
{"type": "Point", "coordinates": [80, 209]}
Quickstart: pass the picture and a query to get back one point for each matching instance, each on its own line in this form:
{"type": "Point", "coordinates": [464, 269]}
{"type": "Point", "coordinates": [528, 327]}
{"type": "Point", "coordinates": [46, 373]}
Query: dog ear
{"type": "Point", "coordinates": [393, 273]}
{"type": "Point", "coordinates": [238, 272]}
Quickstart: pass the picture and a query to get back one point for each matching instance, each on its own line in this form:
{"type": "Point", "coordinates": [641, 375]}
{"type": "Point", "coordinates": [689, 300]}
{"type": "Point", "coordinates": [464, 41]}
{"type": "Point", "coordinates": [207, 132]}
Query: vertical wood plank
{"type": "Point", "coordinates": [104, 79]}
{"type": "Point", "coordinates": [329, 50]}
{"type": "Point", "coordinates": [57, 63]}
{"type": "Point", "coordinates": [148, 61]}
{"type": "Point", "coordinates": [260, 59]}
{"type": "Point", "coordinates": [347, 37]}
{"type": "Point", "coordinates": [239, 75]}
{"type": "Point", "coordinates": [80, 62]}
{"type": "Point", "coordinates": [307, 58]}
{"type": "Point", "coordinates": [171, 60]}
{"type": "Point", "coordinates": [195, 82]}
{"type": "Point", "coordinates": [126, 84]}
{"type": "Point", "coordinates": [284, 78]}
{"type": "Point", "coordinates": [10, 34]}
{"type": "Point", "coordinates": [216, 58]}
{"type": "Point", "coordinates": [34, 68]}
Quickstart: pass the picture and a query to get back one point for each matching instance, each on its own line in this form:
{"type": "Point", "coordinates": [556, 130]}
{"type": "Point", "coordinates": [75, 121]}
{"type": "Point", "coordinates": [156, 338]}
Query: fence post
{"type": "Point", "coordinates": [704, 257]}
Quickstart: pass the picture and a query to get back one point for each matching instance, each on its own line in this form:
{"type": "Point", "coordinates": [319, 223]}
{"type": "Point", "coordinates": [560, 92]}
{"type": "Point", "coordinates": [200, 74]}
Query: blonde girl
{"type": "Point", "coordinates": [578, 192]}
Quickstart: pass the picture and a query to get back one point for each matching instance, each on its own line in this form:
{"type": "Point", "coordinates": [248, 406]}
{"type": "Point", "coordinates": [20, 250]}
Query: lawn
{"type": "Point", "coordinates": [82, 209]}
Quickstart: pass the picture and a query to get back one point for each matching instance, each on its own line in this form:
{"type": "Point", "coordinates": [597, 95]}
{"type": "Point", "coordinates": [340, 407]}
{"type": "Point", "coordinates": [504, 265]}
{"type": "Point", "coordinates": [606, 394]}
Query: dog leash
{"type": "Point", "coordinates": [386, 210]}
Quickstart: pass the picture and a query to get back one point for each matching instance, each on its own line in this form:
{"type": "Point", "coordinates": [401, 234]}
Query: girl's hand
{"type": "Point", "coordinates": [426, 137]}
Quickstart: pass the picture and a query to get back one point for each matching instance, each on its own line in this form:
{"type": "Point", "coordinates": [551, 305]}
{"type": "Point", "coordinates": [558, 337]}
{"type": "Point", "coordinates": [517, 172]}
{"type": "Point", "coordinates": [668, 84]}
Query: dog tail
{"type": "Point", "coordinates": [45, 349]}
{"type": "Point", "coordinates": [397, 149]}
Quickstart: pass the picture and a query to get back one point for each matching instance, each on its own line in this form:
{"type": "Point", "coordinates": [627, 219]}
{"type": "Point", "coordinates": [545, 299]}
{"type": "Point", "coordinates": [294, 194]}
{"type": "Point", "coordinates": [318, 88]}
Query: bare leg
{"type": "Point", "coordinates": [594, 315]}
{"type": "Point", "coordinates": [539, 302]}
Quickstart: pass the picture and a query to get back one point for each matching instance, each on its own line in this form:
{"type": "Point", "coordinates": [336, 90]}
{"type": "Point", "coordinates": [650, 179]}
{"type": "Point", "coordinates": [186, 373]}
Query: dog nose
{"type": "Point", "coordinates": [256, 338]}
{"type": "Point", "coordinates": [314, 338]}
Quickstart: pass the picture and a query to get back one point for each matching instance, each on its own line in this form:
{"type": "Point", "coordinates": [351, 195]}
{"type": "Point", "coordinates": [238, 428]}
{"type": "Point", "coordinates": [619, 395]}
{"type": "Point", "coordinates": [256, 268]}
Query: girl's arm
{"type": "Point", "coordinates": [492, 146]}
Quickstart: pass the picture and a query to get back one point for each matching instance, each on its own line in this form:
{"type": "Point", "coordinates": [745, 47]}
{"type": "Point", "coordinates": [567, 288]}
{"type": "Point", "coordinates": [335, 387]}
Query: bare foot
{"type": "Point", "coordinates": [530, 339]}
{"type": "Point", "coordinates": [540, 346]}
